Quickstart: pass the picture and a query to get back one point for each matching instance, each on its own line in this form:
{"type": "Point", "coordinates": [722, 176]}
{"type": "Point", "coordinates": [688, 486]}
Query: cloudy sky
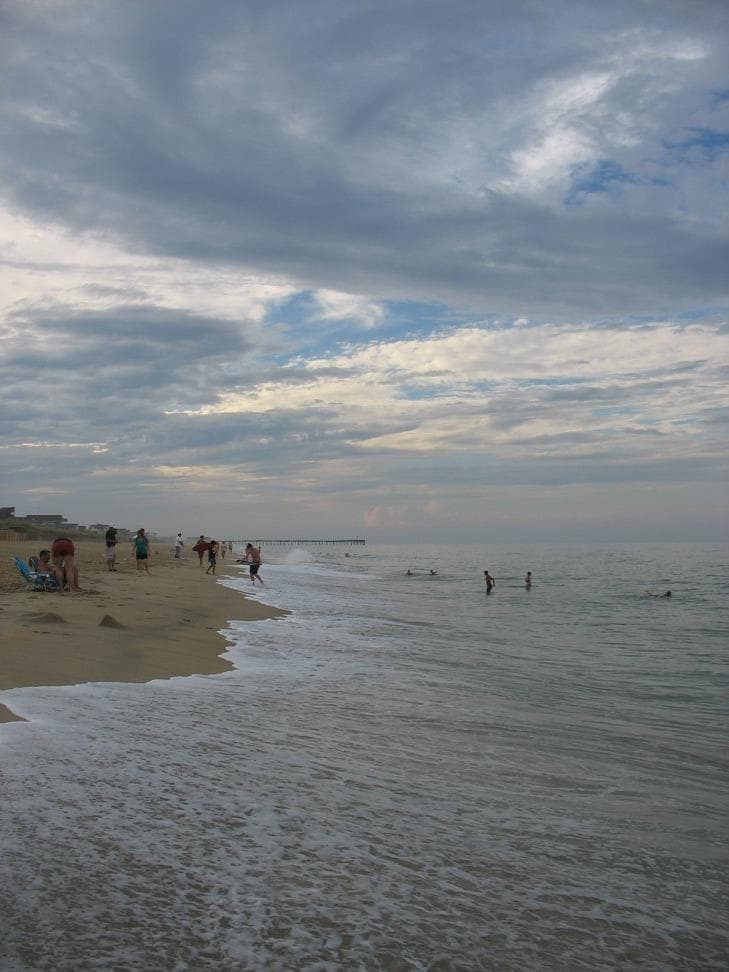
{"type": "Point", "coordinates": [410, 270]}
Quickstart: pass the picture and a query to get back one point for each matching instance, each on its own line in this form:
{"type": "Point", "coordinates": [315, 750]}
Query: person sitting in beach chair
{"type": "Point", "coordinates": [42, 565]}
{"type": "Point", "coordinates": [36, 580]}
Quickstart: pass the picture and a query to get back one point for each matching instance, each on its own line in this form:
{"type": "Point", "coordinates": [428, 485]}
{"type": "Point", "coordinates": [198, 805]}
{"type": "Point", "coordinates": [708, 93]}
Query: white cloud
{"type": "Point", "coordinates": [333, 305]}
{"type": "Point", "coordinates": [389, 517]}
{"type": "Point", "coordinates": [515, 392]}
{"type": "Point", "coordinates": [467, 355]}
{"type": "Point", "coordinates": [93, 447]}
{"type": "Point", "coordinates": [47, 263]}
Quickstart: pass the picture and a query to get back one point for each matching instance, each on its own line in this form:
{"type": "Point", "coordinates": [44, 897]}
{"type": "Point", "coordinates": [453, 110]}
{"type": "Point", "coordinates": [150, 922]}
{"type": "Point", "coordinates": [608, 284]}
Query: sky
{"type": "Point", "coordinates": [408, 270]}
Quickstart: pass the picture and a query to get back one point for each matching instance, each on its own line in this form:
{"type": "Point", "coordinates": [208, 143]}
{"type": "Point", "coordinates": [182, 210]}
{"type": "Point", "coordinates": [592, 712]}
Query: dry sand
{"type": "Point", "coordinates": [122, 627]}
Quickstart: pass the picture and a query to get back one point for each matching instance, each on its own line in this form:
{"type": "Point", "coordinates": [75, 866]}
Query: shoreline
{"type": "Point", "coordinates": [123, 626]}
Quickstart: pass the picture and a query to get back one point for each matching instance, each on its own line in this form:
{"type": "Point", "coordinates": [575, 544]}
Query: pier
{"type": "Point", "coordinates": [304, 542]}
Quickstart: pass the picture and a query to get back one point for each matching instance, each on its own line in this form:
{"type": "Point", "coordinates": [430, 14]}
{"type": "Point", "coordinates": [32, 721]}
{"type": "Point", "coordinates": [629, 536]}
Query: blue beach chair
{"type": "Point", "coordinates": [35, 580]}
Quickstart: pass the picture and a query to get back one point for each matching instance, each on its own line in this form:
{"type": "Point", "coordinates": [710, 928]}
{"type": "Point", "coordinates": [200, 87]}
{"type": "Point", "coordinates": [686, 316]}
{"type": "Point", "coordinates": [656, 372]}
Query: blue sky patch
{"type": "Point", "coordinates": [605, 177]}
{"type": "Point", "coordinates": [702, 145]}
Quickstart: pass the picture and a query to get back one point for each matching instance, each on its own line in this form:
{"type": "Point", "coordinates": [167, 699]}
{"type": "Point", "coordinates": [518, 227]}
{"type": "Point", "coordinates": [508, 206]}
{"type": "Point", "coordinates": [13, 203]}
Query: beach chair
{"type": "Point", "coordinates": [35, 580]}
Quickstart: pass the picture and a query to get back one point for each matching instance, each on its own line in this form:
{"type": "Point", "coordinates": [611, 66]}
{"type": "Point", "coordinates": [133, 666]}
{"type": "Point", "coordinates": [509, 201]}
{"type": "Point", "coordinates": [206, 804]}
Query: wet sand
{"type": "Point", "coordinates": [122, 627]}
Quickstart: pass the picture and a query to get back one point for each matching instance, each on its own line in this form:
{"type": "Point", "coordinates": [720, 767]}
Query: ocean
{"type": "Point", "coordinates": [404, 773]}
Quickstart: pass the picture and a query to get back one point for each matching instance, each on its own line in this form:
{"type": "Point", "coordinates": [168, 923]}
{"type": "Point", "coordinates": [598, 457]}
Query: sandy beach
{"type": "Point", "coordinates": [122, 627]}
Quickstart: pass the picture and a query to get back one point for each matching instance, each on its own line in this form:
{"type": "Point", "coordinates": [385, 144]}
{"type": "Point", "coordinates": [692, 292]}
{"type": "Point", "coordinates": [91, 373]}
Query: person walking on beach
{"type": "Point", "coordinates": [200, 547]}
{"type": "Point", "coordinates": [490, 582]}
{"type": "Point", "coordinates": [111, 548]}
{"type": "Point", "coordinates": [63, 553]}
{"type": "Point", "coordinates": [179, 544]}
{"type": "Point", "coordinates": [222, 550]}
{"type": "Point", "coordinates": [253, 556]}
{"type": "Point", "coordinates": [212, 556]}
{"type": "Point", "coordinates": [141, 550]}
{"type": "Point", "coordinates": [528, 580]}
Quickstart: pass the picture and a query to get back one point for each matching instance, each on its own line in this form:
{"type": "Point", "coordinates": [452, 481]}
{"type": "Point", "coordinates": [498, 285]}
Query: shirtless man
{"type": "Point", "coordinates": [490, 582]}
{"type": "Point", "coordinates": [253, 557]}
{"type": "Point", "coordinates": [528, 580]}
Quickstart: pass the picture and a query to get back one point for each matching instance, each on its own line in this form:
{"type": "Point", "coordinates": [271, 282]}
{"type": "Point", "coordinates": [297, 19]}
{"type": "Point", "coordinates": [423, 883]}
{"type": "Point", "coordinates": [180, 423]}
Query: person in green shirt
{"type": "Point", "coordinates": [141, 550]}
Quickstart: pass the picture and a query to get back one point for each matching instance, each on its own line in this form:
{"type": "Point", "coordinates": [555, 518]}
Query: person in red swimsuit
{"type": "Point", "coordinates": [62, 554]}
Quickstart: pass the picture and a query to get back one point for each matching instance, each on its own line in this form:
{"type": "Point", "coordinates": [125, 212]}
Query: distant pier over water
{"type": "Point", "coordinates": [303, 541]}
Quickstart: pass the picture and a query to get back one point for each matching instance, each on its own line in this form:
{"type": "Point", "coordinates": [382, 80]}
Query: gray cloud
{"type": "Point", "coordinates": [336, 144]}
{"type": "Point", "coordinates": [106, 373]}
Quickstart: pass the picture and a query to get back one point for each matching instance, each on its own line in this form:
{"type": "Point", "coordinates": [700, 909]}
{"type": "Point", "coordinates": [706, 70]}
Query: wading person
{"type": "Point", "coordinates": [253, 556]}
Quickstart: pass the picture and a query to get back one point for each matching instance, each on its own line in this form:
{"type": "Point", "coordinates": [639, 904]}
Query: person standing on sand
{"type": "Point", "coordinates": [490, 582]}
{"type": "Point", "coordinates": [253, 556]}
{"type": "Point", "coordinates": [212, 556]}
{"type": "Point", "coordinates": [179, 544]}
{"type": "Point", "coordinates": [63, 553]}
{"type": "Point", "coordinates": [141, 550]}
{"type": "Point", "coordinates": [111, 548]}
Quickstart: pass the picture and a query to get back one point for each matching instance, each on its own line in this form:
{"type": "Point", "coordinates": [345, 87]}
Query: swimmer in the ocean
{"type": "Point", "coordinates": [528, 580]}
{"type": "Point", "coordinates": [653, 594]}
{"type": "Point", "coordinates": [490, 582]}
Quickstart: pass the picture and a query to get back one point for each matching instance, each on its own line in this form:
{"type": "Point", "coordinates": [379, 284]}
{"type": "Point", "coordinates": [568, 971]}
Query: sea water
{"type": "Point", "coordinates": [403, 773]}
